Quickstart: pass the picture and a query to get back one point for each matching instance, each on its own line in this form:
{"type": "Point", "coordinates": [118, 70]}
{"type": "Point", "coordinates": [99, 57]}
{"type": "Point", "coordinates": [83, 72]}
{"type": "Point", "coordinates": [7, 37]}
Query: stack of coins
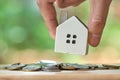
{"type": "Point", "coordinates": [57, 67]}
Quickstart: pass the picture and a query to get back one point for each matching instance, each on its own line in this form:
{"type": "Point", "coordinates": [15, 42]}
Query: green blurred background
{"type": "Point", "coordinates": [25, 38]}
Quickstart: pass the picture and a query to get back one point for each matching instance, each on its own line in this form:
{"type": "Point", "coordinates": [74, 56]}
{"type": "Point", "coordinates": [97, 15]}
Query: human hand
{"type": "Point", "coordinates": [98, 15]}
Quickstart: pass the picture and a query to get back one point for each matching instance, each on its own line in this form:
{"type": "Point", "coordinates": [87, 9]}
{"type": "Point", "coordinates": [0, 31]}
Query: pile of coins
{"type": "Point", "coordinates": [49, 66]}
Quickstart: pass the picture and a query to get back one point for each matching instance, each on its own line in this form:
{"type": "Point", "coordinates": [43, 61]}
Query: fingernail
{"type": "Point", "coordinates": [94, 40]}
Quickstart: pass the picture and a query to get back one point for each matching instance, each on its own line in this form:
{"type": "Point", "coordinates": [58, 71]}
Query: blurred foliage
{"type": "Point", "coordinates": [22, 27]}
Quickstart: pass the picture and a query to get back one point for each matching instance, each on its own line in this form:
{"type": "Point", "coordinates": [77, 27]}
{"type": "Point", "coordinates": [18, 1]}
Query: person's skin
{"type": "Point", "coordinates": [98, 15]}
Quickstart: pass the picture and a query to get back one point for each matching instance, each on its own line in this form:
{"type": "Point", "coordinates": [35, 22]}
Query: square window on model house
{"type": "Point", "coordinates": [71, 39]}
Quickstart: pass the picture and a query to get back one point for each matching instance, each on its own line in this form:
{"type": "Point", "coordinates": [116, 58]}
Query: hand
{"type": "Point", "coordinates": [98, 15]}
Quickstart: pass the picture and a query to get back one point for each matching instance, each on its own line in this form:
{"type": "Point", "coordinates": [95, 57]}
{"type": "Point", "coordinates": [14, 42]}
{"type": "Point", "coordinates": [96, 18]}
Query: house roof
{"type": "Point", "coordinates": [74, 22]}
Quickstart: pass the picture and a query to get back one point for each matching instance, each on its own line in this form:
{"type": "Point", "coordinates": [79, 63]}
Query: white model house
{"type": "Point", "coordinates": [72, 37]}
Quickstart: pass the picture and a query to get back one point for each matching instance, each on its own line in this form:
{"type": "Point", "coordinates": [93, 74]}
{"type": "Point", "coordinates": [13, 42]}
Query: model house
{"type": "Point", "coordinates": [71, 37]}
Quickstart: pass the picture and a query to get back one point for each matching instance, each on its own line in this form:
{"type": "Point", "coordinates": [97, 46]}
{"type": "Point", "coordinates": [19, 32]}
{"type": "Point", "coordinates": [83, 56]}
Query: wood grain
{"type": "Point", "coordinates": [65, 75]}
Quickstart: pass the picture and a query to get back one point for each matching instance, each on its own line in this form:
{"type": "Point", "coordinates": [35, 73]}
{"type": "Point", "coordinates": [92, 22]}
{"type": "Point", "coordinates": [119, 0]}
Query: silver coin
{"type": "Point", "coordinates": [16, 66]}
{"type": "Point", "coordinates": [81, 67]}
{"type": "Point", "coordinates": [32, 68]}
{"type": "Point", "coordinates": [92, 66]}
{"type": "Point", "coordinates": [47, 61]}
{"type": "Point", "coordinates": [101, 67]}
{"type": "Point", "coordinates": [51, 68]}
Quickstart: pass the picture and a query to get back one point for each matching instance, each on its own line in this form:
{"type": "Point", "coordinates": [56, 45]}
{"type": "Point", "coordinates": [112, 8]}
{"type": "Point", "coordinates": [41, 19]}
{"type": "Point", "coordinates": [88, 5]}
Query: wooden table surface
{"type": "Point", "coordinates": [65, 75]}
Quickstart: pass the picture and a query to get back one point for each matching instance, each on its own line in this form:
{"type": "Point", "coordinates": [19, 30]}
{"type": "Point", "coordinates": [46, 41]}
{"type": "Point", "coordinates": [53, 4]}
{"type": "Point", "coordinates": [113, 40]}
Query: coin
{"type": "Point", "coordinates": [46, 62]}
{"type": "Point", "coordinates": [67, 66]}
{"type": "Point", "coordinates": [51, 68]}
{"type": "Point", "coordinates": [16, 66]}
{"type": "Point", "coordinates": [32, 68]}
{"type": "Point", "coordinates": [81, 67]}
{"type": "Point", "coordinates": [111, 66]}
{"type": "Point", "coordinates": [101, 67]}
{"type": "Point", "coordinates": [92, 66]}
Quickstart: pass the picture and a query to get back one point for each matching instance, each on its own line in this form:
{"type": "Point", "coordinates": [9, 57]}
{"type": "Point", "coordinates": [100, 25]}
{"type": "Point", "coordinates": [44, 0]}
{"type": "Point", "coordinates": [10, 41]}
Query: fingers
{"type": "Point", "coordinates": [98, 15]}
{"type": "Point", "coordinates": [49, 14]}
{"type": "Point", "coordinates": [67, 3]}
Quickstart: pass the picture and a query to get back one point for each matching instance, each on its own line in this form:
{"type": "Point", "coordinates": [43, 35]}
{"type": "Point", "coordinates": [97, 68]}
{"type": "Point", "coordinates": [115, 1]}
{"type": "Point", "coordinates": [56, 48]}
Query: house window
{"type": "Point", "coordinates": [71, 39]}
{"type": "Point", "coordinates": [68, 35]}
{"type": "Point", "coordinates": [67, 41]}
{"type": "Point", "coordinates": [74, 36]}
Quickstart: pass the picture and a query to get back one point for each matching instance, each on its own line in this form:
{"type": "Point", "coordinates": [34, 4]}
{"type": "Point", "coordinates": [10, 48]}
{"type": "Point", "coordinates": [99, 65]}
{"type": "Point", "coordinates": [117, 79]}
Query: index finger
{"type": "Point", "coordinates": [98, 16]}
{"type": "Point", "coordinates": [49, 14]}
